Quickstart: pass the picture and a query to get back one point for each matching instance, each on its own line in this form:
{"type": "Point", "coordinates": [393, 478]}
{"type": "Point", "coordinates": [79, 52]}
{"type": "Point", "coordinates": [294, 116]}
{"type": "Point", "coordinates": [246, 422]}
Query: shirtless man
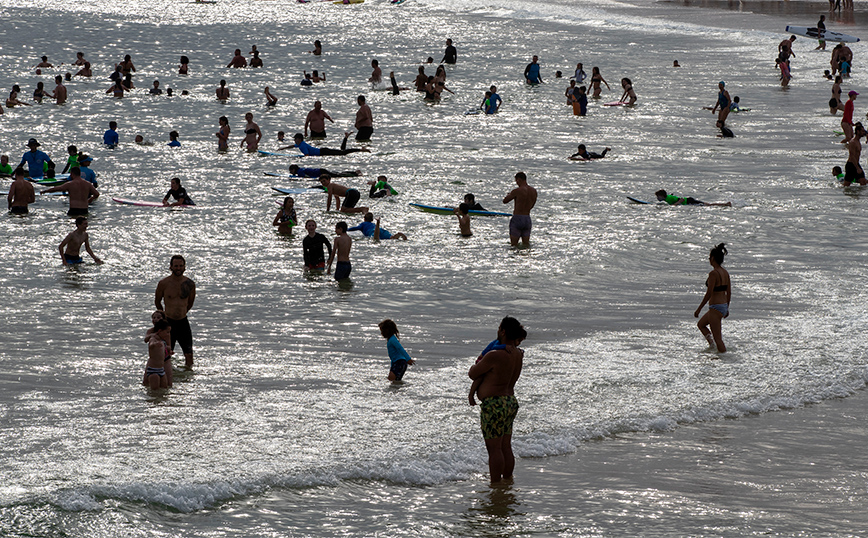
{"type": "Point", "coordinates": [238, 60]}
{"type": "Point", "coordinates": [853, 170]}
{"type": "Point", "coordinates": [21, 194]}
{"type": "Point", "coordinates": [44, 62]}
{"type": "Point", "coordinates": [525, 198]}
{"type": "Point", "coordinates": [377, 74]}
{"type": "Point", "coordinates": [316, 121]}
{"type": "Point", "coordinates": [343, 244]}
{"type": "Point", "coordinates": [499, 370]}
{"type": "Point", "coordinates": [178, 292]}
{"type": "Point", "coordinates": [82, 193]}
{"type": "Point", "coordinates": [155, 372]}
{"type": "Point", "coordinates": [73, 242]}
{"type": "Point", "coordinates": [59, 93]}
{"type": "Point", "coordinates": [785, 49]}
{"type": "Point", "coordinates": [336, 190]}
{"type": "Point", "coordinates": [364, 120]}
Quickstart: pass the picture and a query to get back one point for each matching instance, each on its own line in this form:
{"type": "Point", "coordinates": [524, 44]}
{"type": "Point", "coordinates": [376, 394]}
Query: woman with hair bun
{"type": "Point", "coordinates": [717, 296]}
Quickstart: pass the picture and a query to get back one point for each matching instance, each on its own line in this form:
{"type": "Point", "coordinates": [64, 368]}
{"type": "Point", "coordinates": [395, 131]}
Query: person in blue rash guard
{"type": "Point", "coordinates": [309, 150]}
{"type": "Point", "coordinates": [531, 72]}
{"type": "Point", "coordinates": [369, 229]}
{"type": "Point", "coordinates": [35, 159]}
{"type": "Point", "coordinates": [110, 138]}
{"type": "Point", "coordinates": [399, 357]}
{"type": "Point", "coordinates": [86, 172]}
{"type": "Point", "coordinates": [300, 171]}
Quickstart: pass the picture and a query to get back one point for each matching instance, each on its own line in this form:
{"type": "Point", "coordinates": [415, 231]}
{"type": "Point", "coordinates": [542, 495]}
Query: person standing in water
{"type": "Point", "coordinates": [499, 370]}
{"type": "Point", "coordinates": [178, 293]}
{"type": "Point", "coordinates": [531, 72]}
{"type": "Point", "coordinates": [525, 198]}
{"type": "Point", "coordinates": [718, 296]}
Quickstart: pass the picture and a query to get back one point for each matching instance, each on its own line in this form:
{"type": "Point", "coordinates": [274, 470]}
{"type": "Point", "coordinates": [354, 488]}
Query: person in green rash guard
{"type": "Point", "coordinates": [5, 167]}
{"type": "Point", "coordinates": [671, 199]}
{"type": "Point", "coordinates": [380, 188]}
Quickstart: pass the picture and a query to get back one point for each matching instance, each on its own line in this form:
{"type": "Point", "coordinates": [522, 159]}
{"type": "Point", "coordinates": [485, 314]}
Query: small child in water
{"type": "Point", "coordinates": [838, 173]}
{"type": "Point", "coordinates": [399, 356]}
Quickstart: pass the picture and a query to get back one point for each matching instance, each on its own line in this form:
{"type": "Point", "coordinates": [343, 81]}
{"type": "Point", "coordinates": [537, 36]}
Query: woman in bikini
{"type": "Point", "coordinates": [596, 79]}
{"type": "Point", "coordinates": [835, 103]}
{"type": "Point", "coordinates": [223, 134]}
{"type": "Point", "coordinates": [717, 296]}
{"type": "Point", "coordinates": [252, 134]}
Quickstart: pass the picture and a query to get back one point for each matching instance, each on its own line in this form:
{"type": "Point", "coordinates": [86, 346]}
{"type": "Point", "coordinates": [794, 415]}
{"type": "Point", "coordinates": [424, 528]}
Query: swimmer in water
{"type": "Point", "coordinates": [286, 218]}
{"type": "Point", "coordinates": [252, 134]}
{"type": "Point", "coordinates": [463, 219]}
{"type": "Point", "coordinates": [271, 100]}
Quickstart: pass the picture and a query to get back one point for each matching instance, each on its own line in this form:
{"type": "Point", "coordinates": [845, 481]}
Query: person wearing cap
{"type": "Point", "coordinates": [723, 102]}
{"type": "Point", "coordinates": [847, 120]}
{"type": "Point", "coordinates": [35, 159]}
{"type": "Point", "coordinates": [21, 194]}
{"type": "Point", "coordinates": [86, 173]}
{"type": "Point", "coordinates": [81, 192]}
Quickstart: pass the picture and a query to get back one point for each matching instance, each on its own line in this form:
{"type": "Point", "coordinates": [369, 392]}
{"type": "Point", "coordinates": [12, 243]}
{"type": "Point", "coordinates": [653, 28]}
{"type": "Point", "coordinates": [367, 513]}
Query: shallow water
{"type": "Point", "coordinates": [287, 408]}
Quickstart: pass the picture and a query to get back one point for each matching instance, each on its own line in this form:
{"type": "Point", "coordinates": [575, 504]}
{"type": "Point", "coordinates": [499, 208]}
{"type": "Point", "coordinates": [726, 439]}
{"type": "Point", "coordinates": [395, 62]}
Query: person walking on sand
{"type": "Point", "coordinates": [718, 296]}
{"type": "Point", "coordinates": [499, 370]}
{"type": "Point", "coordinates": [178, 293]}
{"type": "Point", "coordinates": [525, 198]}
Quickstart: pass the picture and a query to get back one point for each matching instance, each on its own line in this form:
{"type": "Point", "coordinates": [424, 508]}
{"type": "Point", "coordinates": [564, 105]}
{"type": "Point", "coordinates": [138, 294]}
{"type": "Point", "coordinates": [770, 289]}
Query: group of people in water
{"type": "Point", "coordinates": [497, 368]}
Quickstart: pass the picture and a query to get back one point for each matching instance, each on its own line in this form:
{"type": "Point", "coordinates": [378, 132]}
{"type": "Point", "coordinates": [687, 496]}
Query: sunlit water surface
{"type": "Point", "coordinates": [286, 426]}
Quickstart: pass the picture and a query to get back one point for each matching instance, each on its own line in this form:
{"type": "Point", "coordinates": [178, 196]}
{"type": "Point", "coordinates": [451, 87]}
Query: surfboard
{"type": "Point", "coordinates": [451, 211]}
{"type": "Point", "coordinates": [287, 175]}
{"type": "Point", "coordinates": [827, 35]}
{"type": "Point", "coordinates": [37, 193]}
{"type": "Point", "coordinates": [348, 1]}
{"type": "Point", "coordinates": [615, 103]}
{"type": "Point", "coordinates": [637, 201]}
{"type": "Point", "coordinates": [272, 154]}
{"type": "Point", "coordinates": [299, 190]}
{"type": "Point", "coordinates": [144, 203]}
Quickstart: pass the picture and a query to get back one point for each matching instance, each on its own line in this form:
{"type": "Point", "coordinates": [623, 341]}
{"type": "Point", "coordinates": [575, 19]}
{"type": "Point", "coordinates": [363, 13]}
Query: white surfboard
{"type": "Point", "coordinates": [814, 33]}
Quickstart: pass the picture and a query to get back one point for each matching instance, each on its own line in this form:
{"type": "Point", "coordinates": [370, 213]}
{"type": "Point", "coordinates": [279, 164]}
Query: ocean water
{"type": "Point", "coordinates": [287, 426]}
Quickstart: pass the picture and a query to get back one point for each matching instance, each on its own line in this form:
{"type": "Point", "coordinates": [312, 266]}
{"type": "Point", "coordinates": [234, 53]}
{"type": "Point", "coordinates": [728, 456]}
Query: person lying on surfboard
{"type": "Point", "coordinates": [672, 199]}
{"type": "Point", "coordinates": [584, 155]}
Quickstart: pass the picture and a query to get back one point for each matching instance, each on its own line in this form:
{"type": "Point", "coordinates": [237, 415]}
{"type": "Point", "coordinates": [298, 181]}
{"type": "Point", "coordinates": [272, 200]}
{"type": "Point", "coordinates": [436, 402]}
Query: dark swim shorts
{"type": "Point", "coordinates": [398, 368]}
{"type": "Point", "coordinates": [77, 212]}
{"type": "Point", "coordinates": [496, 416]}
{"type": "Point", "coordinates": [181, 333]}
{"type": "Point", "coordinates": [351, 198]}
{"type": "Point", "coordinates": [519, 226]}
{"type": "Point", "coordinates": [342, 270]}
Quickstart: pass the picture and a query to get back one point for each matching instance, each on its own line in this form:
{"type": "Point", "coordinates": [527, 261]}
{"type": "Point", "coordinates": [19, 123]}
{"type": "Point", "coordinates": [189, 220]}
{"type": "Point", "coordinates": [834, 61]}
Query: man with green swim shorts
{"type": "Point", "coordinates": [499, 370]}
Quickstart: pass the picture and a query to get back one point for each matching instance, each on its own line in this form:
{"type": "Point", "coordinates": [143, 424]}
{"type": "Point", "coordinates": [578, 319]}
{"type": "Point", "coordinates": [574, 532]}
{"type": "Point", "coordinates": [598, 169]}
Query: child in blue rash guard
{"type": "Point", "coordinates": [493, 345]}
{"type": "Point", "coordinates": [400, 358]}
